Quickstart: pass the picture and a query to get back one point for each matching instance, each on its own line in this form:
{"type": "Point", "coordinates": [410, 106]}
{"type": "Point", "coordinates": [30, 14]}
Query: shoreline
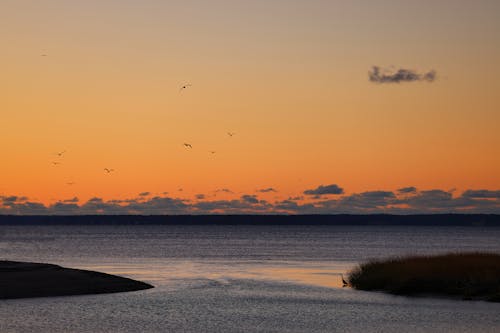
{"type": "Point", "coordinates": [27, 279]}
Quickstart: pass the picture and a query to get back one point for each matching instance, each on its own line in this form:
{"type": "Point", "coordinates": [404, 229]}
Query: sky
{"type": "Point", "coordinates": [369, 97]}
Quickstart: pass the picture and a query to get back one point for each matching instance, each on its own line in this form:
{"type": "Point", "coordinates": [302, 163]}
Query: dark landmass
{"type": "Point", "coordinates": [340, 219]}
{"type": "Point", "coordinates": [22, 279]}
{"type": "Point", "coordinates": [469, 276]}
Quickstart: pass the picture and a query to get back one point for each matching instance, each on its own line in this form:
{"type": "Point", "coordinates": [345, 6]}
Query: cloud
{"type": "Point", "coordinates": [289, 206]}
{"type": "Point", "coordinates": [325, 189]}
{"type": "Point", "coordinates": [409, 189]}
{"type": "Point", "coordinates": [245, 205]}
{"type": "Point", "coordinates": [225, 190]}
{"type": "Point", "coordinates": [9, 200]}
{"type": "Point", "coordinates": [402, 201]}
{"type": "Point", "coordinates": [267, 190]}
{"type": "Point", "coordinates": [486, 194]}
{"type": "Point", "coordinates": [158, 205]}
{"type": "Point", "coordinates": [364, 202]}
{"type": "Point", "coordinates": [250, 198]}
{"type": "Point", "coordinates": [144, 194]}
{"type": "Point", "coordinates": [377, 75]}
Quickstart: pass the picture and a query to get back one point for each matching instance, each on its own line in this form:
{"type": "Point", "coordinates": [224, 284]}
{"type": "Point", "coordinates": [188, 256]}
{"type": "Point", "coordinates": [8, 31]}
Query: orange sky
{"type": "Point", "coordinates": [289, 77]}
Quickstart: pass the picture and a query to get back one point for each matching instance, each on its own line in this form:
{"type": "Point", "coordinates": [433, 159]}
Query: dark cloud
{"type": "Point", "coordinates": [439, 201]}
{"type": "Point", "coordinates": [9, 199]}
{"type": "Point", "coordinates": [430, 198]}
{"type": "Point", "coordinates": [144, 194]}
{"type": "Point", "coordinates": [484, 194]}
{"type": "Point", "coordinates": [250, 198]}
{"type": "Point", "coordinates": [159, 205]}
{"type": "Point", "coordinates": [365, 202]}
{"type": "Point", "coordinates": [244, 206]}
{"type": "Point", "coordinates": [325, 189]}
{"type": "Point", "coordinates": [379, 75]}
{"type": "Point", "coordinates": [20, 206]}
{"type": "Point", "coordinates": [403, 201]}
{"type": "Point", "coordinates": [267, 190]}
{"type": "Point", "coordinates": [64, 208]}
{"type": "Point", "coordinates": [407, 190]}
{"type": "Point", "coordinates": [289, 206]}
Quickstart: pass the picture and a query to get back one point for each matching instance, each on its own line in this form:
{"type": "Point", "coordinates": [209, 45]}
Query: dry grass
{"type": "Point", "coordinates": [465, 275]}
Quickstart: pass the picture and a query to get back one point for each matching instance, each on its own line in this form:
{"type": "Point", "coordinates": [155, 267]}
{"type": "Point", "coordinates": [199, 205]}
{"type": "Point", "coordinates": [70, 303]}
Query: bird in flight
{"type": "Point", "coordinates": [212, 152]}
{"type": "Point", "coordinates": [60, 154]}
{"type": "Point", "coordinates": [56, 163]}
{"type": "Point", "coordinates": [231, 134]}
{"type": "Point", "coordinates": [43, 55]}
{"type": "Point", "coordinates": [185, 87]}
{"type": "Point", "coordinates": [188, 145]}
{"type": "Point", "coordinates": [108, 170]}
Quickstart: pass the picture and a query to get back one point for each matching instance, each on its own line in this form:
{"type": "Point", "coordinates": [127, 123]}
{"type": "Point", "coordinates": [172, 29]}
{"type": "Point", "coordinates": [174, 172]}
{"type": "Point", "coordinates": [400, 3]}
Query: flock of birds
{"type": "Point", "coordinates": [190, 146]}
{"type": "Point", "coordinates": [61, 154]}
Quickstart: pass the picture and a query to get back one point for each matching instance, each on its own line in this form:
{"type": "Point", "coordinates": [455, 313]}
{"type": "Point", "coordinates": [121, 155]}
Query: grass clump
{"type": "Point", "coordinates": [465, 275]}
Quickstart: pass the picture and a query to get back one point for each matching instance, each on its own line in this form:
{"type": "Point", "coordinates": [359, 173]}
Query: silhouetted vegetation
{"type": "Point", "coordinates": [465, 275]}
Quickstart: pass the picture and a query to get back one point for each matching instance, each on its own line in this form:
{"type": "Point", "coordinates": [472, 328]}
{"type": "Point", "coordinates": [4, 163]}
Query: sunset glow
{"type": "Point", "coordinates": [101, 81]}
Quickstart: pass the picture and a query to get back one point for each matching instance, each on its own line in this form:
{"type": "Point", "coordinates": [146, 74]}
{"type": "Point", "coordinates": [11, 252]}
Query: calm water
{"type": "Point", "coordinates": [239, 279]}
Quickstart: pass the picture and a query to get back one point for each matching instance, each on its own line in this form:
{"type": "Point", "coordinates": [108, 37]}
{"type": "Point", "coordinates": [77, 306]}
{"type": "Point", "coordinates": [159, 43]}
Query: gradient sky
{"type": "Point", "coordinates": [289, 77]}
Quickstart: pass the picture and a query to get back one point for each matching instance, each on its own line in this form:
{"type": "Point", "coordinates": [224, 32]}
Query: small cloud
{"type": "Point", "coordinates": [200, 196]}
{"type": "Point", "coordinates": [225, 190]}
{"type": "Point", "coordinates": [325, 189]}
{"type": "Point", "coordinates": [249, 198]}
{"type": "Point", "coordinates": [267, 190]}
{"type": "Point", "coordinates": [144, 194]}
{"type": "Point", "coordinates": [72, 200]}
{"type": "Point", "coordinates": [407, 190]}
{"type": "Point", "coordinates": [377, 75]}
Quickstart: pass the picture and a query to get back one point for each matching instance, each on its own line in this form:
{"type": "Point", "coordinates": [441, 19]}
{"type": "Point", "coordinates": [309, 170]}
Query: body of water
{"type": "Point", "coordinates": [240, 279]}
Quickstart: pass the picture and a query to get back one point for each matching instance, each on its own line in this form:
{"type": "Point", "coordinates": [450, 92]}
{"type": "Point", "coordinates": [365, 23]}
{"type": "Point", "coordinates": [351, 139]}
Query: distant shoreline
{"type": "Point", "coordinates": [477, 220]}
{"type": "Point", "coordinates": [26, 280]}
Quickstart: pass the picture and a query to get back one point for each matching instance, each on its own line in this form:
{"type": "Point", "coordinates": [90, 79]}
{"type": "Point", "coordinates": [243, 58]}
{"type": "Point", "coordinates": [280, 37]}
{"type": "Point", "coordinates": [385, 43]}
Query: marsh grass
{"type": "Point", "coordinates": [465, 275]}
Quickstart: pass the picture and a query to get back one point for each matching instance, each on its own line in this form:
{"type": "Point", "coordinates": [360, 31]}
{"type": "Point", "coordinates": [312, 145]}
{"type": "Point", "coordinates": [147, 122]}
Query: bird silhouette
{"type": "Point", "coordinates": [56, 163]}
{"type": "Point", "coordinates": [212, 152]}
{"type": "Point", "coordinates": [185, 87]}
{"type": "Point", "coordinates": [60, 154]}
{"type": "Point", "coordinates": [188, 145]}
{"type": "Point", "coordinates": [231, 134]}
{"type": "Point", "coordinates": [108, 170]}
{"type": "Point", "coordinates": [344, 282]}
